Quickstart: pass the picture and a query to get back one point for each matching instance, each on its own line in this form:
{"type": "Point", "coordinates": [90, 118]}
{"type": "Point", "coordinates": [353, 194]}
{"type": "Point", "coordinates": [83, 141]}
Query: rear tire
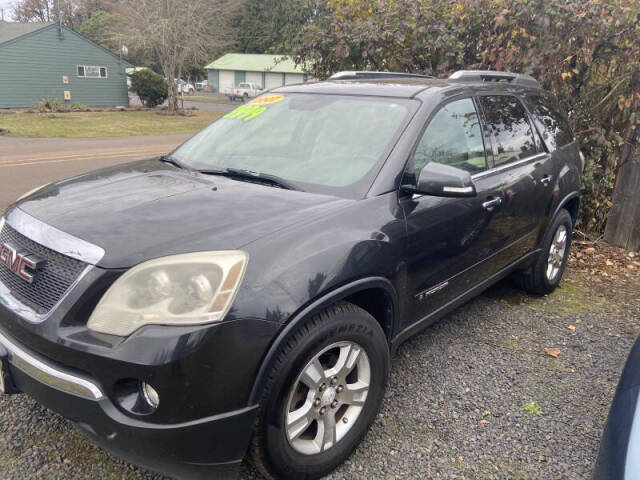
{"type": "Point", "coordinates": [298, 407]}
{"type": "Point", "coordinates": [545, 274]}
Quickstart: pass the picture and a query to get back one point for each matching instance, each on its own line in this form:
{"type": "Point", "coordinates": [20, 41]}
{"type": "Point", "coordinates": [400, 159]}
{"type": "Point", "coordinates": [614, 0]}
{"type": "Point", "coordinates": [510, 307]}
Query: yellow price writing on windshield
{"type": "Point", "coordinates": [246, 112]}
{"type": "Point", "coordinates": [267, 99]}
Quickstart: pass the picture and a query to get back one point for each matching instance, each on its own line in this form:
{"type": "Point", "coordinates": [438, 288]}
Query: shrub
{"type": "Point", "coordinates": [53, 105]}
{"type": "Point", "coordinates": [49, 105]}
{"type": "Point", "coordinates": [585, 51]}
{"type": "Point", "coordinates": [150, 87]}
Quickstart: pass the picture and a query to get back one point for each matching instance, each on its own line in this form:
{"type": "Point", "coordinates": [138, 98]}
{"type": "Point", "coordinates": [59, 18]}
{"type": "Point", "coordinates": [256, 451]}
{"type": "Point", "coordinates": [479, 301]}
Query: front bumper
{"type": "Point", "coordinates": [194, 449]}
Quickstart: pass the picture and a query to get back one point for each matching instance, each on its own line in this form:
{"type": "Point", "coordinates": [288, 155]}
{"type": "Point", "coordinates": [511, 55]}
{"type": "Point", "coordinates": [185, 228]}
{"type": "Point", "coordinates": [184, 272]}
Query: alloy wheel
{"type": "Point", "coordinates": [327, 397]}
{"type": "Point", "coordinates": [556, 253]}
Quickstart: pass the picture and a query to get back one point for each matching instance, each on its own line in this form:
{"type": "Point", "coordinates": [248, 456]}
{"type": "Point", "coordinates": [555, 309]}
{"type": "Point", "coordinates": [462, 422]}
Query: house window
{"type": "Point", "coordinates": [92, 71]}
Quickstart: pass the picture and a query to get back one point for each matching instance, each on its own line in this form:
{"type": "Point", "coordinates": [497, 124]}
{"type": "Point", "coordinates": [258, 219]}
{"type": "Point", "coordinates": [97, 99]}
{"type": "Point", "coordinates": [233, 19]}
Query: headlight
{"type": "Point", "coordinates": [190, 289]}
{"type": "Point", "coordinates": [30, 192]}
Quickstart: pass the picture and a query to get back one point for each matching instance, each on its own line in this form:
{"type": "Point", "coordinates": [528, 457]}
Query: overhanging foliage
{"type": "Point", "coordinates": [585, 51]}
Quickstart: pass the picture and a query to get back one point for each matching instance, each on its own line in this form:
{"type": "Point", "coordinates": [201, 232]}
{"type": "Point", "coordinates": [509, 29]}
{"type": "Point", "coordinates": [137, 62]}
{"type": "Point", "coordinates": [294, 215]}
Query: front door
{"type": "Point", "coordinates": [450, 239]}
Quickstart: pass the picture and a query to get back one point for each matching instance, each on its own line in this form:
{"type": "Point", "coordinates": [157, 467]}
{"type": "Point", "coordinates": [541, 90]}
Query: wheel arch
{"type": "Point", "coordinates": [376, 295]}
{"type": "Point", "coordinates": [571, 202]}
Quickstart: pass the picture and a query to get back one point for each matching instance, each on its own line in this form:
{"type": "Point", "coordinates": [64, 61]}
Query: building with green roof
{"type": "Point", "coordinates": [268, 71]}
{"type": "Point", "coordinates": [48, 60]}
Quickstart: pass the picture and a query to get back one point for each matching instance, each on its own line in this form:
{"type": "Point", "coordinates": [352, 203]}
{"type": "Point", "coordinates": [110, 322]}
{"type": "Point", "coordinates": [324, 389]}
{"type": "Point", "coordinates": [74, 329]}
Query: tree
{"type": "Point", "coordinates": [584, 51]}
{"type": "Point", "coordinates": [176, 32]}
{"type": "Point", "coordinates": [623, 224]}
{"type": "Point", "coordinates": [270, 26]}
{"type": "Point", "coordinates": [41, 10]}
{"type": "Point", "coordinates": [73, 12]}
{"type": "Point", "coordinates": [101, 27]}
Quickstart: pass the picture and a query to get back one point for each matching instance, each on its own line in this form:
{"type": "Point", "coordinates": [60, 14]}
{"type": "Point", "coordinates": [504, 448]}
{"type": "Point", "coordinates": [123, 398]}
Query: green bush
{"type": "Point", "coordinates": [150, 87]}
{"type": "Point", "coordinates": [53, 105]}
{"type": "Point", "coordinates": [49, 105]}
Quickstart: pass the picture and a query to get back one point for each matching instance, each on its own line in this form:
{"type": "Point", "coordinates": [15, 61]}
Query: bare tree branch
{"type": "Point", "coordinates": [176, 32]}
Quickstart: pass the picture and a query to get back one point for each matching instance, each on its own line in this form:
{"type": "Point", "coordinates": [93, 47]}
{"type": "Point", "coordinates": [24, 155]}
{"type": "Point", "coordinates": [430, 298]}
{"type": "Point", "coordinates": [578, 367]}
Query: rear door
{"type": "Point", "coordinates": [450, 239]}
{"type": "Point", "coordinates": [553, 126]}
{"type": "Point", "coordinates": [525, 169]}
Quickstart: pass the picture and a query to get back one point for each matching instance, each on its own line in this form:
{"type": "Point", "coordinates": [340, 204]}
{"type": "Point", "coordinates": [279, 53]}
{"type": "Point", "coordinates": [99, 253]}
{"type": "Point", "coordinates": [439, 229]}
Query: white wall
{"type": "Point", "coordinates": [253, 77]}
{"type": "Point", "coordinates": [227, 79]}
{"type": "Point", "coordinates": [293, 78]}
{"type": "Point", "coordinates": [273, 80]}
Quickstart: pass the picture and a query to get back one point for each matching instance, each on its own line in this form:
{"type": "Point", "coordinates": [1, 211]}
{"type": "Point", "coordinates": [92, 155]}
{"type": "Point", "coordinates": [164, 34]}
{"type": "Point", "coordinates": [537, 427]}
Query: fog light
{"type": "Point", "coordinates": [150, 395]}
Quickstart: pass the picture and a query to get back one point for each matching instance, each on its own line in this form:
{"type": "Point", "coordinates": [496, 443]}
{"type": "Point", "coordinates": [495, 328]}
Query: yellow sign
{"type": "Point", "coordinates": [267, 99]}
{"type": "Point", "coordinates": [246, 112]}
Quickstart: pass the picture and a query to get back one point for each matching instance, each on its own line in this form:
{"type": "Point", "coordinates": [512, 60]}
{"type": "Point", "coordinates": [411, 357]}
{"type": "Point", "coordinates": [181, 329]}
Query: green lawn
{"type": "Point", "coordinates": [103, 124]}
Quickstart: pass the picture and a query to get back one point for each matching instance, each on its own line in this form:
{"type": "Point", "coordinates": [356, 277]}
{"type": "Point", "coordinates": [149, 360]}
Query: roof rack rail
{"type": "Point", "coordinates": [494, 76]}
{"type": "Point", "coordinates": [363, 74]}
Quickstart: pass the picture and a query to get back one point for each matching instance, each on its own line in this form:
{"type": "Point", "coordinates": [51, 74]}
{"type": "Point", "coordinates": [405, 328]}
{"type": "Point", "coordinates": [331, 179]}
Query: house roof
{"type": "Point", "coordinates": [11, 30]}
{"type": "Point", "coordinates": [253, 62]}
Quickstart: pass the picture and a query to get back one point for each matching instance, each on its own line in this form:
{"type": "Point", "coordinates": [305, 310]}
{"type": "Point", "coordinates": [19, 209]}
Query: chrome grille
{"type": "Point", "coordinates": [53, 279]}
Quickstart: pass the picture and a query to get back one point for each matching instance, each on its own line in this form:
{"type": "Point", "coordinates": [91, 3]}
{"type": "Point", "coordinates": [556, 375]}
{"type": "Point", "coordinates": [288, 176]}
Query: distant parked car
{"type": "Point", "coordinates": [185, 87]}
{"type": "Point", "coordinates": [244, 91]}
{"type": "Point", "coordinates": [619, 456]}
{"type": "Point", "coordinates": [201, 85]}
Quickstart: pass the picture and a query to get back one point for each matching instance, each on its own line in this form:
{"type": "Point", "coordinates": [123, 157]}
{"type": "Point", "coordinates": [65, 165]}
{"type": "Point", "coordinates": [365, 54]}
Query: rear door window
{"type": "Point", "coordinates": [550, 120]}
{"type": "Point", "coordinates": [509, 127]}
{"type": "Point", "coordinates": [453, 138]}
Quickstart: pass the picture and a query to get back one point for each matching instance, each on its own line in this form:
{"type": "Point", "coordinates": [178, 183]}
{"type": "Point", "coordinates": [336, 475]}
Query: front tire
{"type": "Point", "coordinates": [545, 274]}
{"type": "Point", "coordinates": [322, 394]}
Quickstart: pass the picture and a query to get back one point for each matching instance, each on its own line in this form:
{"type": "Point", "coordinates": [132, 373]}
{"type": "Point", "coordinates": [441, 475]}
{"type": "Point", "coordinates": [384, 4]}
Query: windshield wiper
{"type": "Point", "coordinates": [249, 175]}
{"type": "Point", "coordinates": [173, 161]}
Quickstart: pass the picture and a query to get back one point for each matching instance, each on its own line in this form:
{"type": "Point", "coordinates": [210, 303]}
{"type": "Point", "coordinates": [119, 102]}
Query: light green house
{"type": "Point", "coordinates": [47, 60]}
{"type": "Point", "coordinates": [268, 71]}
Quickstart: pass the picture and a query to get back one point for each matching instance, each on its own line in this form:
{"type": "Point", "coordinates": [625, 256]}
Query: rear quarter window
{"type": "Point", "coordinates": [550, 120]}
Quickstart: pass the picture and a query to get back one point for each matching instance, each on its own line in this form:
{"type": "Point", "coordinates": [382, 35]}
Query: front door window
{"type": "Point", "coordinates": [453, 138]}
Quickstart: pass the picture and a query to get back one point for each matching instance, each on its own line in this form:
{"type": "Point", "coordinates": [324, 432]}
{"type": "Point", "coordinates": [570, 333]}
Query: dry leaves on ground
{"type": "Point", "coordinates": [552, 352]}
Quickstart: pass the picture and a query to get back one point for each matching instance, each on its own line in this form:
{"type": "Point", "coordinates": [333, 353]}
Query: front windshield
{"type": "Point", "coordinates": [322, 143]}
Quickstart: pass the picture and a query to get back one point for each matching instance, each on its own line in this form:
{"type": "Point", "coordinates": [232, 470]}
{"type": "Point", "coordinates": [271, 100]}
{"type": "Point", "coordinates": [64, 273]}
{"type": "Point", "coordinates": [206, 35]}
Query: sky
{"type": "Point", "coordinates": [7, 6]}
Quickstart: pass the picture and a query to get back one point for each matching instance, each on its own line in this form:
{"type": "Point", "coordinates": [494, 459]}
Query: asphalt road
{"type": "Point", "coordinates": [211, 107]}
{"type": "Point", "coordinates": [26, 163]}
{"type": "Point", "coordinates": [223, 106]}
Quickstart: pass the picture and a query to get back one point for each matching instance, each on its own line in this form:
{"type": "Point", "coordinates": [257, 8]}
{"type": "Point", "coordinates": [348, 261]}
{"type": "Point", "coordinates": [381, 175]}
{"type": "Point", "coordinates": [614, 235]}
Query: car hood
{"type": "Point", "coordinates": [150, 209]}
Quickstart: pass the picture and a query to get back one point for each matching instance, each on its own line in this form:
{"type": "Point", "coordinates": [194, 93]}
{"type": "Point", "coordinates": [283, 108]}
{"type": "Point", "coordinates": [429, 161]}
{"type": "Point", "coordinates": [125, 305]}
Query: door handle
{"type": "Point", "coordinates": [492, 203]}
{"type": "Point", "coordinates": [546, 180]}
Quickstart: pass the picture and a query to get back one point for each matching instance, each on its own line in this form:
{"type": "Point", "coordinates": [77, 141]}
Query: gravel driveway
{"type": "Point", "coordinates": [474, 396]}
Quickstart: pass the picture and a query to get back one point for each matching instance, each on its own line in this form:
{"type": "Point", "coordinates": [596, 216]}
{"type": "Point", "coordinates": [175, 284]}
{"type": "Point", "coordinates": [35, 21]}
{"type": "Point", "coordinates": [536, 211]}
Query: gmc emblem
{"type": "Point", "coordinates": [23, 264]}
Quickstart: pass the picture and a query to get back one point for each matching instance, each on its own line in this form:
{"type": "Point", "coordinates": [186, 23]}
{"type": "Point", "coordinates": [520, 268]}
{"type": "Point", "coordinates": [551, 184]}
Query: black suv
{"type": "Point", "coordinates": [247, 291]}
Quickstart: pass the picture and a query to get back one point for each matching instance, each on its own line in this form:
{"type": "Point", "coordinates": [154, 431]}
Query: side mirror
{"type": "Point", "coordinates": [442, 180]}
